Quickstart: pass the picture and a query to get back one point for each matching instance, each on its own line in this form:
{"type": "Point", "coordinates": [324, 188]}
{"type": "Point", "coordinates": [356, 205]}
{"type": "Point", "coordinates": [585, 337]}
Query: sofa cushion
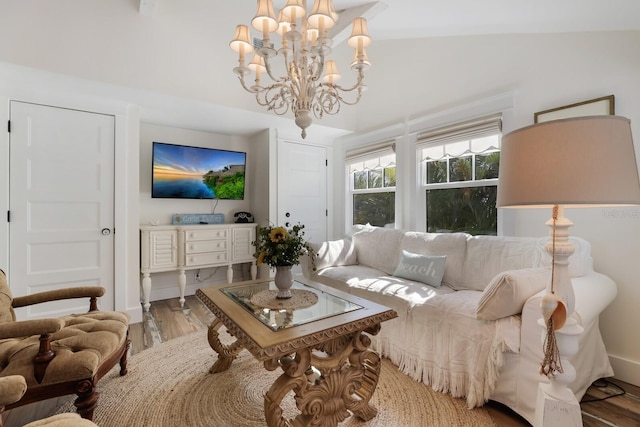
{"type": "Point", "coordinates": [340, 277]}
{"type": "Point", "coordinates": [508, 291]}
{"type": "Point", "coordinates": [335, 253]}
{"type": "Point", "coordinates": [452, 245]}
{"type": "Point", "coordinates": [488, 256]}
{"type": "Point", "coordinates": [378, 247]}
{"type": "Point", "coordinates": [421, 268]}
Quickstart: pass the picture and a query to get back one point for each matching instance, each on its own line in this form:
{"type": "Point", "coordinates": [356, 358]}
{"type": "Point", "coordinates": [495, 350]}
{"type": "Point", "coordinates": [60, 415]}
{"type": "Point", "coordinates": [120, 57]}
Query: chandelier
{"type": "Point", "coordinates": [308, 80]}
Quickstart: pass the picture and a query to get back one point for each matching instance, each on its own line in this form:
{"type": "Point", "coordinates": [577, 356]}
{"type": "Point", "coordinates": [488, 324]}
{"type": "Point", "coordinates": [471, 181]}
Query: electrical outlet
{"type": "Point", "coordinates": [198, 276]}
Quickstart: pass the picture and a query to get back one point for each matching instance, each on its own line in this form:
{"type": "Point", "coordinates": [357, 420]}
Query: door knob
{"type": "Point", "coordinates": [106, 231]}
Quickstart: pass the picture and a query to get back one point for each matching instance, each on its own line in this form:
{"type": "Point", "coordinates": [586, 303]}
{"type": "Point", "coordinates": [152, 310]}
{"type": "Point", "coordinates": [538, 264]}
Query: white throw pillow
{"type": "Point", "coordinates": [378, 247]}
{"type": "Point", "coordinates": [421, 268]}
{"type": "Point", "coordinates": [508, 291]}
{"type": "Point", "coordinates": [334, 253]}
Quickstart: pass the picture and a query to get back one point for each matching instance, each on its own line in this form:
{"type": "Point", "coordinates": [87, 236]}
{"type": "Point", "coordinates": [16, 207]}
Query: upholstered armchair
{"type": "Point", "coordinates": [66, 355]}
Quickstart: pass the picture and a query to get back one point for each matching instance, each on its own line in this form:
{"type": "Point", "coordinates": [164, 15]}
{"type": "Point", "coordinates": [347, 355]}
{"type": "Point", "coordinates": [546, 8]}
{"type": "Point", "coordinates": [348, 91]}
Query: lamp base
{"type": "Point", "coordinates": [551, 411]}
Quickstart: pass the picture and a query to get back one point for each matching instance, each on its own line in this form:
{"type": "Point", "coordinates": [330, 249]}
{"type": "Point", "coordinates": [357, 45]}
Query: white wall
{"type": "Point", "coordinates": [164, 285]}
{"type": "Point", "coordinates": [461, 76]}
{"type": "Point", "coordinates": [163, 209]}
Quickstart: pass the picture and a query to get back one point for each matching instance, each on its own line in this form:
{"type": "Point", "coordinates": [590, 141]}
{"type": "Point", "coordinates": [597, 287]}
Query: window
{"type": "Point", "coordinates": [372, 184]}
{"type": "Point", "coordinates": [459, 167]}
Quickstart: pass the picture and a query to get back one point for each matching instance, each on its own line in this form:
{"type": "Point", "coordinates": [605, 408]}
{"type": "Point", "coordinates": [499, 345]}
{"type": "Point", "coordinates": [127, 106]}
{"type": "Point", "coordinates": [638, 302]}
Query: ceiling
{"type": "Point", "coordinates": [171, 57]}
{"type": "Point", "coordinates": [410, 19]}
{"type": "Point", "coordinates": [430, 18]}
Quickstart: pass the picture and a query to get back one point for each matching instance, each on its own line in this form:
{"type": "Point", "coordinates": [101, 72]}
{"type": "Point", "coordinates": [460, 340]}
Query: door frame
{"type": "Point", "coordinates": [126, 198]}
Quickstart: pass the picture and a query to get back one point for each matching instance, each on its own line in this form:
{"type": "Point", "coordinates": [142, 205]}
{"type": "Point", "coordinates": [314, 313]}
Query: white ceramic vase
{"type": "Point", "coordinates": [284, 281]}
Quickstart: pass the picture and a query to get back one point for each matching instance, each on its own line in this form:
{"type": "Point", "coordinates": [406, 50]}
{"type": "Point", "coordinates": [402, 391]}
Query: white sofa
{"type": "Point", "coordinates": [477, 334]}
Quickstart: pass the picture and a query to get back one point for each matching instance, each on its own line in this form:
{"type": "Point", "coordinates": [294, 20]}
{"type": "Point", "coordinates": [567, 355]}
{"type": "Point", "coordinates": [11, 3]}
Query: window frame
{"type": "Point", "coordinates": [360, 155]}
{"type": "Point", "coordinates": [459, 132]}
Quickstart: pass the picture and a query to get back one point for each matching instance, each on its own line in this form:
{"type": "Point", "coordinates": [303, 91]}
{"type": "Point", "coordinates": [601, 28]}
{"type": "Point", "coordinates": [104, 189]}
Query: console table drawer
{"type": "Point", "coordinates": [205, 246]}
{"type": "Point", "coordinates": [193, 235]}
{"type": "Point", "coordinates": [206, 259]}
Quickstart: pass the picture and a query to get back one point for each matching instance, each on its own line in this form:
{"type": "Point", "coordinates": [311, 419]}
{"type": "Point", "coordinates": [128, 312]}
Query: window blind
{"type": "Point", "coordinates": [374, 156]}
{"type": "Point", "coordinates": [470, 137]}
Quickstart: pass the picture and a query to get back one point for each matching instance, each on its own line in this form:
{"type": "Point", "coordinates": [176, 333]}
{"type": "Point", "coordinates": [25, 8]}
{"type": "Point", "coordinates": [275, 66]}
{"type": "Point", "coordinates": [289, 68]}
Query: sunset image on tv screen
{"type": "Point", "coordinates": [185, 172]}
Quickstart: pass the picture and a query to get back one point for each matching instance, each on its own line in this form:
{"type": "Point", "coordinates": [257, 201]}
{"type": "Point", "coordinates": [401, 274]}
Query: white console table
{"type": "Point", "coordinates": [188, 247]}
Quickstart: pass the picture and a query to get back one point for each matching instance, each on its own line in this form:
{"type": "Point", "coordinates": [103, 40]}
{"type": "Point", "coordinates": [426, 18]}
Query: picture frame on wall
{"type": "Point", "coordinates": [603, 106]}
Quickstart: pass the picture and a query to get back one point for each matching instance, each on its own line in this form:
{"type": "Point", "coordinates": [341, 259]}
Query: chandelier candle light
{"type": "Point", "coordinates": [310, 80]}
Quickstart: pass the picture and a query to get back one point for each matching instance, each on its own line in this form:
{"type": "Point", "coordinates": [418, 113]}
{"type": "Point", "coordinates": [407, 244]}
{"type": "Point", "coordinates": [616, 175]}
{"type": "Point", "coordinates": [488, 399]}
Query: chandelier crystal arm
{"type": "Point", "coordinates": [252, 89]}
{"type": "Point", "coordinates": [357, 85]}
{"type": "Point", "coordinates": [344, 101]}
{"type": "Point", "coordinates": [274, 97]}
{"type": "Point", "coordinates": [267, 65]}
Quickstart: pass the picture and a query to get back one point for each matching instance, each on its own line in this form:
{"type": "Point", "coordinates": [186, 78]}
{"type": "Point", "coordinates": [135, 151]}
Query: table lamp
{"type": "Point", "coordinates": [576, 162]}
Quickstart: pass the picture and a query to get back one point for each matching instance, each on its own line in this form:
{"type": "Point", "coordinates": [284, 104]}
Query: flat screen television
{"type": "Point", "coordinates": [184, 172]}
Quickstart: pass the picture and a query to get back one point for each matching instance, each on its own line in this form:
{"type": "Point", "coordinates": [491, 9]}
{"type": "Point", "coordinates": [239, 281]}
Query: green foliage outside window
{"type": "Point", "coordinates": [360, 180]}
{"type": "Point", "coordinates": [460, 169]}
{"type": "Point", "coordinates": [374, 208]}
{"type": "Point", "coordinates": [437, 172]}
{"type": "Point", "coordinates": [487, 166]}
{"type": "Point", "coordinates": [389, 177]}
{"type": "Point", "coordinates": [375, 178]}
{"type": "Point", "coordinates": [469, 209]}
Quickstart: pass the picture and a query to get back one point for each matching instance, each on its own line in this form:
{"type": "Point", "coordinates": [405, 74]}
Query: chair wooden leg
{"type": "Point", "coordinates": [87, 399]}
{"type": "Point", "coordinates": [123, 359]}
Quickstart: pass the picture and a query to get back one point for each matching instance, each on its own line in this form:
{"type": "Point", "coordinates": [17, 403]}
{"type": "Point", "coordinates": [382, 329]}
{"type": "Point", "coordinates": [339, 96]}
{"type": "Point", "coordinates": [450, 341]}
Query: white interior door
{"type": "Point", "coordinates": [302, 188]}
{"type": "Point", "coordinates": [61, 198]}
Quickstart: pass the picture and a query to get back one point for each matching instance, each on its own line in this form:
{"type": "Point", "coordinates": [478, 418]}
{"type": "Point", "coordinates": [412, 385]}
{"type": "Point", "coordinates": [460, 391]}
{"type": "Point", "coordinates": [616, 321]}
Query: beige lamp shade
{"type": "Point", "coordinates": [294, 9]}
{"type": "Point", "coordinates": [257, 64]}
{"type": "Point", "coordinates": [241, 40]}
{"type": "Point", "coordinates": [331, 73]}
{"type": "Point", "coordinates": [265, 18]}
{"type": "Point", "coordinates": [359, 37]}
{"type": "Point", "coordinates": [570, 162]}
{"type": "Point", "coordinates": [321, 16]}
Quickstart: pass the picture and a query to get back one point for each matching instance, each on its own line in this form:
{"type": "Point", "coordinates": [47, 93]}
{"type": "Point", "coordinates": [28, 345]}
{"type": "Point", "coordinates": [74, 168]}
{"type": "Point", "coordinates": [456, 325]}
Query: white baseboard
{"type": "Point", "coordinates": [135, 314]}
{"type": "Point", "coordinates": [625, 369]}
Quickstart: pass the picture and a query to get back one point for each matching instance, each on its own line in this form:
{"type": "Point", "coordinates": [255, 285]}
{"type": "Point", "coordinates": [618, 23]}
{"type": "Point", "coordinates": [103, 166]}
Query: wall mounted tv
{"type": "Point", "coordinates": [183, 172]}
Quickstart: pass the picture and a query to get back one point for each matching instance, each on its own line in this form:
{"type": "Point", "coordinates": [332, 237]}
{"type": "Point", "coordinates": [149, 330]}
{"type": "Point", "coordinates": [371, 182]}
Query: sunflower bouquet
{"type": "Point", "coordinates": [279, 246]}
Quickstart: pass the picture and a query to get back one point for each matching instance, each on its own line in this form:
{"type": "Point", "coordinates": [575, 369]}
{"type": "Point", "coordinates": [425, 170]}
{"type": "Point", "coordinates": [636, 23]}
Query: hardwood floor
{"type": "Point", "coordinates": [167, 320]}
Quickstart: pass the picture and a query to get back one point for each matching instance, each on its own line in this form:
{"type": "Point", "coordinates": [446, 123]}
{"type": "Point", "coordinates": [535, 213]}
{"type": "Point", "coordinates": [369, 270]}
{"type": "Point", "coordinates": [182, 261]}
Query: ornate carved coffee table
{"type": "Point", "coordinates": [322, 349]}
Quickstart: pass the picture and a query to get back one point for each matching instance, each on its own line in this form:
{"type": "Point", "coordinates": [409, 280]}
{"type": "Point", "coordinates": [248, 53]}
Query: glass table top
{"type": "Point", "coordinates": [277, 319]}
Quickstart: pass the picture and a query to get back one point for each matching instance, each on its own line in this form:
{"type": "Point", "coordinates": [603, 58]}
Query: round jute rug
{"type": "Point", "coordinates": [170, 385]}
